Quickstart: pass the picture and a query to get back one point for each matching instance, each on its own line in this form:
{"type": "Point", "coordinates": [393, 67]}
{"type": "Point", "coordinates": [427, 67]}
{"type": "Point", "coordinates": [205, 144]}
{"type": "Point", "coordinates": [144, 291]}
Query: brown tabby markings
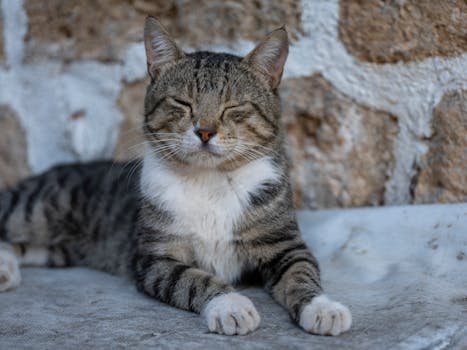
{"type": "Point", "coordinates": [210, 205]}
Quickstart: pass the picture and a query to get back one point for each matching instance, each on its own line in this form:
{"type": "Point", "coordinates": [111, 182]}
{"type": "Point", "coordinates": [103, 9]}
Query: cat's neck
{"type": "Point", "coordinates": [158, 174]}
{"type": "Point", "coordinates": [153, 164]}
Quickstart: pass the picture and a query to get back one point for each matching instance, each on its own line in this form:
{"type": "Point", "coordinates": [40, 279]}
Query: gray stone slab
{"type": "Point", "coordinates": [402, 303]}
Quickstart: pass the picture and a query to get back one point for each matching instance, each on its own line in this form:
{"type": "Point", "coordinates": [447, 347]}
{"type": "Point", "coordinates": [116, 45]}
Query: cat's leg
{"type": "Point", "coordinates": [12, 256]}
{"type": "Point", "coordinates": [292, 277]}
{"type": "Point", "coordinates": [231, 314]}
{"type": "Point", "coordinates": [32, 225]}
{"type": "Point", "coordinates": [186, 287]}
{"type": "Point", "coordinates": [325, 316]}
{"type": "Point", "coordinates": [10, 276]}
{"type": "Point", "coordinates": [21, 220]}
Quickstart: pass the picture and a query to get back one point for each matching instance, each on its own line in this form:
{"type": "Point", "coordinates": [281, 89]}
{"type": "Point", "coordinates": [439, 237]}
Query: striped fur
{"type": "Point", "coordinates": [209, 205]}
{"type": "Point", "coordinates": [79, 214]}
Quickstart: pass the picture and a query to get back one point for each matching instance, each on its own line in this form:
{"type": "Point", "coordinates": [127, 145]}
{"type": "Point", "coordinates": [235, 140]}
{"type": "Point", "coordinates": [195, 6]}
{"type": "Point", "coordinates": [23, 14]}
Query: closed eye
{"type": "Point", "coordinates": [181, 102]}
{"type": "Point", "coordinates": [238, 115]}
{"type": "Point", "coordinates": [176, 102]}
{"type": "Point", "coordinates": [235, 112]}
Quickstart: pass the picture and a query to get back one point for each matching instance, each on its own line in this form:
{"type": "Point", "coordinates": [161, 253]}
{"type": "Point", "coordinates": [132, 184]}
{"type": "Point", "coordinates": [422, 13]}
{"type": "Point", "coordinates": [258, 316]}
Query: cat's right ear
{"type": "Point", "coordinates": [160, 48]}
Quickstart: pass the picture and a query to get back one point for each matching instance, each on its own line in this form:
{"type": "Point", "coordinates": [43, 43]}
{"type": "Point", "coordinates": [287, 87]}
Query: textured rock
{"type": "Point", "coordinates": [215, 22]}
{"type": "Point", "coordinates": [81, 29]}
{"type": "Point", "coordinates": [131, 103]}
{"type": "Point", "coordinates": [342, 151]}
{"type": "Point", "coordinates": [391, 31]}
{"type": "Point", "coordinates": [442, 173]}
{"type": "Point", "coordinates": [100, 30]}
{"type": "Point", "coordinates": [13, 149]}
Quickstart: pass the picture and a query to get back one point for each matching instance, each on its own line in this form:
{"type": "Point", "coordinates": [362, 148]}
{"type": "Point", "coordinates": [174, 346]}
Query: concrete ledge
{"type": "Point", "coordinates": [400, 270]}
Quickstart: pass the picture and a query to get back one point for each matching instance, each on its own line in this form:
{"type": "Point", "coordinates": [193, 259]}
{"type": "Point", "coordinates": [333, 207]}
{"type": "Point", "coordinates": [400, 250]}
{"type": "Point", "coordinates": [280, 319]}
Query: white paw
{"type": "Point", "coordinates": [9, 270]}
{"type": "Point", "coordinates": [325, 317]}
{"type": "Point", "coordinates": [230, 314]}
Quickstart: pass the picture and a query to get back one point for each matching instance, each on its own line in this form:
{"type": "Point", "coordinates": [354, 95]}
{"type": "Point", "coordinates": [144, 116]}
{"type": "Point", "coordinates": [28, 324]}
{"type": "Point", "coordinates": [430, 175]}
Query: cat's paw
{"type": "Point", "coordinates": [231, 314]}
{"type": "Point", "coordinates": [325, 317]}
{"type": "Point", "coordinates": [10, 276]}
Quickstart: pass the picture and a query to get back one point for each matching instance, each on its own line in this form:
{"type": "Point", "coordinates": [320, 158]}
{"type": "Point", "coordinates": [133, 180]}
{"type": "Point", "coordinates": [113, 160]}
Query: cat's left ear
{"type": "Point", "coordinates": [269, 56]}
{"type": "Point", "coordinates": [160, 48]}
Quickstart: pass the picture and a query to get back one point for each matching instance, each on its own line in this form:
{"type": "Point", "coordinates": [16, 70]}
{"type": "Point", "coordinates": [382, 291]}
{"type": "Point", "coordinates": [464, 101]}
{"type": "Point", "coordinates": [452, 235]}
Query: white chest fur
{"type": "Point", "coordinates": [206, 205]}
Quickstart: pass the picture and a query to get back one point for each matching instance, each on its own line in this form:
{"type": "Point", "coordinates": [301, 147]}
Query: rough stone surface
{"type": "Point", "coordinates": [81, 29]}
{"type": "Point", "coordinates": [13, 149]}
{"type": "Point", "coordinates": [442, 173]}
{"type": "Point", "coordinates": [392, 31]}
{"type": "Point", "coordinates": [130, 139]}
{"type": "Point", "coordinates": [100, 30]}
{"type": "Point", "coordinates": [342, 151]}
{"type": "Point", "coordinates": [215, 22]}
{"type": "Point", "coordinates": [414, 298]}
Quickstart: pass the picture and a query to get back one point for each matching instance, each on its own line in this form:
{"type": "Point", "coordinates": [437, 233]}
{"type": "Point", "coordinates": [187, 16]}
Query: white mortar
{"type": "Point", "coordinates": [46, 94]}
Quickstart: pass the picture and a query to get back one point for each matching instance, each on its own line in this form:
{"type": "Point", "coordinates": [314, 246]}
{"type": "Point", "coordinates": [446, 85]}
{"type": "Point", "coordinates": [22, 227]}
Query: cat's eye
{"type": "Point", "coordinates": [238, 115]}
{"type": "Point", "coordinates": [235, 113]}
{"type": "Point", "coordinates": [181, 105]}
{"type": "Point", "coordinates": [181, 102]}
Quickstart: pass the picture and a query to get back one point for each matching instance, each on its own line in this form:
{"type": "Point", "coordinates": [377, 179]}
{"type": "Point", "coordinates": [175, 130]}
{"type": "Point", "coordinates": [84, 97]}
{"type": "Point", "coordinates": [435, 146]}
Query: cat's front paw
{"type": "Point", "coordinates": [231, 314]}
{"type": "Point", "coordinates": [10, 276]}
{"type": "Point", "coordinates": [325, 317]}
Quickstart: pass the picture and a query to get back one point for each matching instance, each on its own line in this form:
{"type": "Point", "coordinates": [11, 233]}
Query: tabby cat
{"type": "Point", "coordinates": [209, 204]}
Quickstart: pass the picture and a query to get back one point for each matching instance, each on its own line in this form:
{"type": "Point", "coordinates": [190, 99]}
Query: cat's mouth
{"type": "Point", "coordinates": [205, 155]}
{"type": "Point", "coordinates": [204, 152]}
{"type": "Point", "coordinates": [210, 150]}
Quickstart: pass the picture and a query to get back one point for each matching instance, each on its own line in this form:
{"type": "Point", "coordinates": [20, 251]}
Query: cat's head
{"type": "Point", "coordinates": [212, 110]}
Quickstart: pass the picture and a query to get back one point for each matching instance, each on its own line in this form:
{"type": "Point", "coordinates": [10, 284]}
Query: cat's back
{"type": "Point", "coordinates": [87, 211]}
{"type": "Point", "coordinates": [71, 198]}
{"type": "Point", "coordinates": [90, 178]}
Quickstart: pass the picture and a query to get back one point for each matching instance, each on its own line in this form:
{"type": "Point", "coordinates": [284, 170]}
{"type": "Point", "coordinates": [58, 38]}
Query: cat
{"type": "Point", "coordinates": [209, 203]}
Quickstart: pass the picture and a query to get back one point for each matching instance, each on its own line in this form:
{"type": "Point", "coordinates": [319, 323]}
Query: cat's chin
{"type": "Point", "coordinates": [208, 152]}
{"type": "Point", "coordinates": [203, 159]}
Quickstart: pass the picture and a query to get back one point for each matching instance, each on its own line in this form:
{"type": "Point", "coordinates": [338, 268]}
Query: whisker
{"type": "Point", "coordinates": [169, 155]}
{"type": "Point", "coordinates": [132, 171]}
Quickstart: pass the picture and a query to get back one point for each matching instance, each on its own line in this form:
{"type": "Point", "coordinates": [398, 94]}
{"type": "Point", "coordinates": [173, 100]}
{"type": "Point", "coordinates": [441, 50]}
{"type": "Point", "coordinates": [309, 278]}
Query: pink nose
{"type": "Point", "coordinates": [205, 134]}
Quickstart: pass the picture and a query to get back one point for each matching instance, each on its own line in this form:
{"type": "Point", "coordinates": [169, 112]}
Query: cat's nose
{"type": "Point", "coordinates": [205, 134]}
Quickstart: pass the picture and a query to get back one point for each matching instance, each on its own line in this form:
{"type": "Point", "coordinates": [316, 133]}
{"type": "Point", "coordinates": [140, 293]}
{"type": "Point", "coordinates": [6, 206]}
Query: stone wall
{"type": "Point", "coordinates": [374, 92]}
{"type": "Point", "coordinates": [408, 30]}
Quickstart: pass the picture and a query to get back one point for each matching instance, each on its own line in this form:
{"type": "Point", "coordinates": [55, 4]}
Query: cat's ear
{"type": "Point", "coordinates": [269, 56]}
{"type": "Point", "coordinates": [160, 48]}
